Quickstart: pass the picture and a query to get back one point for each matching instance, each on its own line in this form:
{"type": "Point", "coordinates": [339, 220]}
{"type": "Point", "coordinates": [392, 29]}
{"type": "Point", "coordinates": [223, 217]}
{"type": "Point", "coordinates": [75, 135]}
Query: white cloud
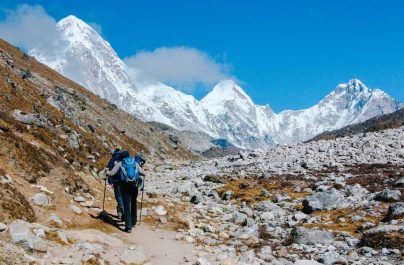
{"type": "Point", "coordinates": [180, 66]}
{"type": "Point", "coordinates": [30, 27]}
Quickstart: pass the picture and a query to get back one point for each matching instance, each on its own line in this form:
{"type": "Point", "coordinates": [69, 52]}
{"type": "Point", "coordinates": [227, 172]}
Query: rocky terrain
{"type": "Point", "coordinates": [322, 202]}
{"type": "Point", "coordinates": [332, 202]}
{"type": "Point", "coordinates": [391, 120]}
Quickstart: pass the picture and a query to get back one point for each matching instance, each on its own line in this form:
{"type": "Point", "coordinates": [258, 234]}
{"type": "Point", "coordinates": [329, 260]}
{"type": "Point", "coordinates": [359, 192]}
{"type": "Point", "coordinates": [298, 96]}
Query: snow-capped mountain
{"type": "Point", "coordinates": [226, 112]}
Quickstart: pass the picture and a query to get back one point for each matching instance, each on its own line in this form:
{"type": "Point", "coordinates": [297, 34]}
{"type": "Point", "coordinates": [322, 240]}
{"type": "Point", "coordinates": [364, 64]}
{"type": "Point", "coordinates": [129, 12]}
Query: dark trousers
{"type": "Point", "coordinates": [129, 195]}
{"type": "Point", "coordinates": [118, 198]}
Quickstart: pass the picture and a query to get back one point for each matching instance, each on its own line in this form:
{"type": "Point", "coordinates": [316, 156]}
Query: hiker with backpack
{"type": "Point", "coordinates": [113, 180]}
{"type": "Point", "coordinates": [129, 172]}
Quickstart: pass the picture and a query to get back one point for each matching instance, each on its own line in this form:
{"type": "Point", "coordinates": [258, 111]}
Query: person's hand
{"type": "Point", "coordinates": [110, 186]}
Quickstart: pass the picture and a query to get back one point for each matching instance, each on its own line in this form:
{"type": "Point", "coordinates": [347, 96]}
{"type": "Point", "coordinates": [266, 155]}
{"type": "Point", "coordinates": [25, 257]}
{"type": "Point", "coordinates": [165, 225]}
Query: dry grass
{"type": "Point", "coordinates": [13, 205]}
{"type": "Point", "coordinates": [329, 220]}
{"type": "Point", "coordinates": [251, 190]}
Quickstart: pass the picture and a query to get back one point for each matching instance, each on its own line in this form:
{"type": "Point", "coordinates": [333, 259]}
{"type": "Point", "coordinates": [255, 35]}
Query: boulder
{"type": "Point", "coordinates": [301, 235]}
{"type": "Point", "coordinates": [265, 253]}
{"type": "Point", "coordinates": [20, 233]}
{"type": "Point", "coordinates": [396, 211]}
{"type": "Point", "coordinates": [3, 227]}
{"type": "Point", "coordinates": [332, 257]}
{"type": "Point", "coordinates": [400, 183]}
{"type": "Point", "coordinates": [40, 199]}
{"type": "Point", "coordinates": [38, 244]}
{"type": "Point", "coordinates": [74, 141]}
{"type": "Point", "coordinates": [87, 204]}
{"type": "Point", "coordinates": [387, 195]}
{"type": "Point", "coordinates": [54, 220]}
{"type": "Point", "coordinates": [213, 178]}
{"type": "Point", "coordinates": [195, 199]}
{"type": "Point", "coordinates": [388, 236]}
{"type": "Point", "coordinates": [6, 179]}
{"type": "Point", "coordinates": [160, 210]}
{"type": "Point", "coordinates": [75, 209]}
{"type": "Point", "coordinates": [30, 118]}
{"type": "Point", "coordinates": [268, 206]}
{"type": "Point", "coordinates": [79, 199]}
{"type": "Point", "coordinates": [227, 195]}
{"type": "Point", "coordinates": [325, 200]}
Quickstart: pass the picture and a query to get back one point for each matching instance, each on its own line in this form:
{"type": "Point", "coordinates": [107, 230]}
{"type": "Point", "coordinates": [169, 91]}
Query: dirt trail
{"type": "Point", "coordinates": [160, 246]}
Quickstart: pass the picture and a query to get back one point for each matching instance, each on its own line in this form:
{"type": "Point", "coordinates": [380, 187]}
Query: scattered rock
{"type": "Point", "coordinates": [79, 199]}
{"type": "Point", "coordinates": [301, 235]}
{"type": "Point", "coordinates": [332, 257]}
{"type": "Point", "coordinates": [396, 211]}
{"type": "Point", "coordinates": [387, 195]}
{"type": "Point", "coordinates": [195, 199]}
{"type": "Point", "coordinates": [325, 200]}
{"type": "Point", "coordinates": [133, 257]}
{"type": "Point", "coordinates": [30, 118]}
{"type": "Point", "coordinates": [54, 220]}
{"type": "Point", "coordinates": [213, 178]}
{"type": "Point", "coordinates": [38, 244]}
{"type": "Point", "coordinates": [160, 210]}
{"type": "Point", "coordinates": [75, 209]}
{"type": "Point", "coordinates": [87, 204]}
{"type": "Point", "coordinates": [40, 199]}
{"type": "Point", "coordinates": [20, 233]}
{"type": "Point", "coordinates": [399, 183]}
{"type": "Point", "coordinates": [6, 179]}
{"type": "Point", "coordinates": [306, 262]}
{"type": "Point", "coordinates": [388, 236]}
{"type": "Point", "coordinates": [3, 227]}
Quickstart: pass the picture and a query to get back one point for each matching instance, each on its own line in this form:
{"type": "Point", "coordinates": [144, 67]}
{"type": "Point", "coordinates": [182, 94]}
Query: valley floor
{"type": "Point", "coordinates": [325, 202]}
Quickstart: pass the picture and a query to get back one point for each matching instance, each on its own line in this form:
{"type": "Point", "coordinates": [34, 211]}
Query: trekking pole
{"type": "Point", "coordinates": [141, 202]}
{"type": "Point", "coordinates": [105, 189]}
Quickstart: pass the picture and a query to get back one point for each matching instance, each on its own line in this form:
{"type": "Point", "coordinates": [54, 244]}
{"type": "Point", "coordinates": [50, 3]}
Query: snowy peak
{"type": "Point", "coordinates": [354, 86]}
{"type": "Point", "coordinates": [227, 112]}
{"type": "Point", "coordinates": [74, 25]}
{"type": "Point", "coordinates": [225, 92]}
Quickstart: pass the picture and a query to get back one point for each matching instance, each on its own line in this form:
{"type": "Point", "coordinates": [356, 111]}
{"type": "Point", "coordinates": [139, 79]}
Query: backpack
{"type": "Point", "coordinates": [129, 172]}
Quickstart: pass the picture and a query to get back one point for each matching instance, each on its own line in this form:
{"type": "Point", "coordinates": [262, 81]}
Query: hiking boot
{"type": "Point", "coordinates": [128, 230]}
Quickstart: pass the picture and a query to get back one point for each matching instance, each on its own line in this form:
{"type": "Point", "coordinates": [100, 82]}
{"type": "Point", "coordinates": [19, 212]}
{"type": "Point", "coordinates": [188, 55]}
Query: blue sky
{"type": "Point", "coordinates": [288, 54]}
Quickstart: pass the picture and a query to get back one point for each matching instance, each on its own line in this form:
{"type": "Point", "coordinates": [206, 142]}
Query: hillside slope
{"type": "Point", "coordinates": [54, 132]}
{"type": "Point", "coordinates": [387, 121]}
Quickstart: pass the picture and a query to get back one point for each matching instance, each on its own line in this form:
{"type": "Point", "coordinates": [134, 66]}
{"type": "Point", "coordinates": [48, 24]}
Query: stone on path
{"type": "Point", "coordinates": [40, 199]}
{"type": "Point", "coordinates": [133, 256]}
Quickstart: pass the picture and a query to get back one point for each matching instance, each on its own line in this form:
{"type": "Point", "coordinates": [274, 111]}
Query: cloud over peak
{"type": "Point", "coordinates": [181, 66]}
{"type": "Point", "coordinates": [30, 27]}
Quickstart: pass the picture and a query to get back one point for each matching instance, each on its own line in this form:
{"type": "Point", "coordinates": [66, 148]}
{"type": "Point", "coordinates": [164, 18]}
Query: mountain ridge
{"type": "Point", "coordinates": [226, 112]}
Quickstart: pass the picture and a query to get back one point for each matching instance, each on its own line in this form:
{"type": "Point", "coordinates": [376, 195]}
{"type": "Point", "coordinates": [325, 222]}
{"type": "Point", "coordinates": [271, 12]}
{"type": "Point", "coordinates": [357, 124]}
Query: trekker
{"type": "Point", "coordinates": [113, 181]}
{"type": "Point", "coordinates": [129, 172]}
